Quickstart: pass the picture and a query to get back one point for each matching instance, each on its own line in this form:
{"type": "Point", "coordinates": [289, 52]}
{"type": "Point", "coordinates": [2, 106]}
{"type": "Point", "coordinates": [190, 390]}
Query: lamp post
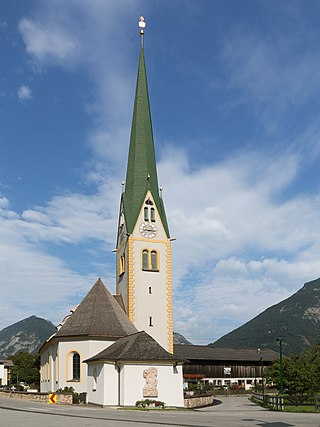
{"type": "Point", "coordinates": [280, 340]}
{"type": "Point", "coordinates": [262, 373]}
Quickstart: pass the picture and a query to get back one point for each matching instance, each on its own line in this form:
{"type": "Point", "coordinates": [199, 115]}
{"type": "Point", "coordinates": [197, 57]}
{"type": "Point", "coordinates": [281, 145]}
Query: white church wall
{"type": "Point", "coordinates": [155, 311]}
{"type": "Point", "coordinates": [169, 384]}
{"type": "Point", "coordinates": [56, 363]}
{"type": "Point", "coordinates": [151, 299]}
{"type": "Point", "coordinates": [102, 384]}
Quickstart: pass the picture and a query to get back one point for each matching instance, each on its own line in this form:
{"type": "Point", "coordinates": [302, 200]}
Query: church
{"type": "Point", "coordinates": [119, 348]}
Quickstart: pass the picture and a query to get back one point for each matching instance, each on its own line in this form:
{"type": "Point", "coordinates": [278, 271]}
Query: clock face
{"type": "Point", "coordinates": [148, 229]}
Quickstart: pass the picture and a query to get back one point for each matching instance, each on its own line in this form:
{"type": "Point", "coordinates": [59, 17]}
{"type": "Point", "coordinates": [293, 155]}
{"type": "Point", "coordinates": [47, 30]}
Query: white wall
{"type": "Point", "coordinates": [170, 384]}
{"type": "Point", "coordinates": [51, 380]}
{"type": "Point", "coordinates": [106, 392]}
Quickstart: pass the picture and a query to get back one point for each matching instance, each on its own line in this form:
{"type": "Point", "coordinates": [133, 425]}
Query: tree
{"type": "Point", "coordinates": [24, 368]}
{"type": "Point", "coordinates": [301, 373]}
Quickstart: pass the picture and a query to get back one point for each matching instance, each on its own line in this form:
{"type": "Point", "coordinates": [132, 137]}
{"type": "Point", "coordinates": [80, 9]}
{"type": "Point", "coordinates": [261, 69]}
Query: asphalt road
{"type": "Point", "coordinates": [233, 411]}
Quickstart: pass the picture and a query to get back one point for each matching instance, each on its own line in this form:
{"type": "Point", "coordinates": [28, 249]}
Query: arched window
{"type": "Point", "coordinates": [154, 260]}
{"type": "Point", "coordinates": [122, 264]}
{"type": "Point", "coordinates": [145, 259]}
{"type": "Point", "coordinates": [150, 261]}
{"type": "Point", "coordinates": [57, 368]}
{"type": "Point", "coordinates": [146, 214]}
{"type": "Point", "coordinates": [76, 367]}
{"type": "Point", "coordinates": [153, 215]}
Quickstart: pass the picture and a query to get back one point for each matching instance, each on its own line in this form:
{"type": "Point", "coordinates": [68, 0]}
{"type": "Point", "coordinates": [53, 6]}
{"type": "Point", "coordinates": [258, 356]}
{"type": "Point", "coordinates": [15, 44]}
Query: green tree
{"type": "Point", "coordinates": [301, 373]}
{"type": "Point", "coordinates": [25, 368]}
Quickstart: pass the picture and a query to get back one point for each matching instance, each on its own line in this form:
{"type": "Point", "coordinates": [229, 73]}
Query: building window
{"type": "Point", "coordinates": [150, 321]}
{"type": "Point", "coordinates": [154, 260]}
{"type": "Point", "coordinates": [150, 290]}
{"type": "Point", "coordinates": [57, 368]}
{"type": "Point", "coordinates": [145, 259]}
{"type": "Point", "coordinates": [122, 263]}
{"type": "Point", "coordinates": [146, 214]}
{"type": "Point", "coordinates": [76, 367]}
{"type": "Point", "coordinates": [150, 260]}
{"type": "Point", "coordinates": [153, 215]}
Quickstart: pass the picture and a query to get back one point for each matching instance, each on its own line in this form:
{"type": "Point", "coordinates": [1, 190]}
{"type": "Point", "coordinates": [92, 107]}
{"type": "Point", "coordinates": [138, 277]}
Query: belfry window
{"type": "Point", "coordinates": [146, 213]}
{"type": "Point", "coordinates": [154, 260]}
{"type": "Point", "coordinates": [153, 215]}
{"type": "Point", "coordinates": [149, 213]}
{"type": "Point", "coordinates": [150, 260]}
{"type": "Point", "coordinates": [145, 259]}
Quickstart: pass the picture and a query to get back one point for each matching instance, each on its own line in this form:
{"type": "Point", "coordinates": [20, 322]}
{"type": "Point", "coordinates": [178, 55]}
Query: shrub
{"type": "Point", "coordinates": [146, 403]}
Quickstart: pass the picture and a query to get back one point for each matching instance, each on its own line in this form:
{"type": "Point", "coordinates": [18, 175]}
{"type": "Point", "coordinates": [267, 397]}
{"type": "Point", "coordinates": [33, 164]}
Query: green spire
{"type": "Point", "coordinates": [141, 169]}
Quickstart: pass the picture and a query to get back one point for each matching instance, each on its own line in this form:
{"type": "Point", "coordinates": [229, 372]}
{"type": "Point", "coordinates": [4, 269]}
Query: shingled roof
{"type": "Point", "coordinates": [98, 314]}
{"type": "Point", "coordinates": [203, 352]}
{"type": "Point", "coordinates": [136, 347]}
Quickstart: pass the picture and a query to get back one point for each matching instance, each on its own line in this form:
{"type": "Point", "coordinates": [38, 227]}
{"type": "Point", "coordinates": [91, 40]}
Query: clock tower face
{"type": "Point", "coordinates": [148, 230]}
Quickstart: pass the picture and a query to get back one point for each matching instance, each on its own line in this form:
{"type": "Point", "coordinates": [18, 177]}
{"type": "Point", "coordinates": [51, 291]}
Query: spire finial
{"type": "Point", "coordinates": [142, 25]}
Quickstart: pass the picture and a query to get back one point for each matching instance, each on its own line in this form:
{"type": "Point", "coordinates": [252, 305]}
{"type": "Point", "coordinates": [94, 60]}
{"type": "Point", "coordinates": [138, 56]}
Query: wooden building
{"type": "Point", "coordinates": [224, 366]}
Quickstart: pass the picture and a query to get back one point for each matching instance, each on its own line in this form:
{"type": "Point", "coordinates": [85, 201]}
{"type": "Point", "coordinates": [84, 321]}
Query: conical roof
{"type": "Point", "coordinates": [98, 314]}
{"type": "Point", "coordinates": [136, 347]}
{"type": "Point", "coordinates": [141, 169]}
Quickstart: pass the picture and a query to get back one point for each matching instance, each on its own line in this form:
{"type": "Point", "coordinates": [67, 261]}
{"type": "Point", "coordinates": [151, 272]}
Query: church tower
{"type": "Point", "coordinates": [143, 272]}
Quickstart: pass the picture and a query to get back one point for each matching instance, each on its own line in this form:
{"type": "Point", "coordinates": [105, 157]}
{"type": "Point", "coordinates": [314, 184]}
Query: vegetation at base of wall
{"type": "Point", "coordinates": [25, 369]}
{"type": "Point", "coordinates": [70, 390]}
{"type": "Point", "coordinates": [300, 374]}
{"type": "Point", "coordinates": [147, 403]}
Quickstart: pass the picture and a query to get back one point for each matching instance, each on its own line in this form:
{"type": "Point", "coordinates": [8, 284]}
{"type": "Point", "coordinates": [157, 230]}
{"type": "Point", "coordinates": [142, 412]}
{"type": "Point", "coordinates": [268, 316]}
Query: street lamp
{"type": "Point", "coordinates": [262, 373]}
{"type": "Point", "coordinates": [280, 340]}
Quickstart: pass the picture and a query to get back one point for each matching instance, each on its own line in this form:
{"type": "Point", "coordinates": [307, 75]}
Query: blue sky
{"type": "Point", "coordinates": [235, 98]}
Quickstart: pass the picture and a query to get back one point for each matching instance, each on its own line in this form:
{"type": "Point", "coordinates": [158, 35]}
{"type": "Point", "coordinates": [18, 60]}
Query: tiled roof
{"type": "Point", "coordinates": [202, 352]}
{"type": "Point", "coordinates": [98, 314]}
{"type": "Point", "coordinates": [136, 347]}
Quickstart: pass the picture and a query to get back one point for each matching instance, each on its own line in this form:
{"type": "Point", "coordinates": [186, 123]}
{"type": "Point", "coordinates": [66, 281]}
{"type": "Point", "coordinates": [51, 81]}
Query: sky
{"type": "Point", "coordinates": [235, 99]}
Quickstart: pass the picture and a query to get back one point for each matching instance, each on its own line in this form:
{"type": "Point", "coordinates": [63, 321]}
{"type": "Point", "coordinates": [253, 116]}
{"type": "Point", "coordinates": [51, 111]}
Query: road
{"type": "Point", "coordinates": [233, 411]}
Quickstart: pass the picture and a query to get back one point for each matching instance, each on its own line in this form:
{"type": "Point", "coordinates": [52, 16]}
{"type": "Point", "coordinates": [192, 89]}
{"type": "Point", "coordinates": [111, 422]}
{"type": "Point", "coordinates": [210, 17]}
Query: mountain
{"type": "Point", "coordinates": [296, 319]}
{"type": "Point", "coordinates": [180, 339]}
{"type": "Point", "coordinates": [27, 335]}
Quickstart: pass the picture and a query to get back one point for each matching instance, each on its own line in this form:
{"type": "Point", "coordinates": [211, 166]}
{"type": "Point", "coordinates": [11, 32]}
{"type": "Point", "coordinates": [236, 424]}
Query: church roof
{"type": "Point", "coordinates": [136, 347]}
{"type": "Point", "coordinates": [98, 314]}
{"type": "Point", "coordinates": [141, 168]}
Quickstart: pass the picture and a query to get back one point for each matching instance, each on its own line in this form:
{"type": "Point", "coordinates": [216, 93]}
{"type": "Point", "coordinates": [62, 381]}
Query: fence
{"type": "Point", "coordinates": [280, 403]}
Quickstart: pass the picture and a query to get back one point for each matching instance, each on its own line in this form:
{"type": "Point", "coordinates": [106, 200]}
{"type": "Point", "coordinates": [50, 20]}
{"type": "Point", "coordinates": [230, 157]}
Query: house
{"type": "Point", "coordinates": [5, 367]}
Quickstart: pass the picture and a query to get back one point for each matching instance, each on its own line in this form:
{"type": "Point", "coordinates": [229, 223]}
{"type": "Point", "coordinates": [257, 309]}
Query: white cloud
{"type": "Point", "coordinates": [240, 245]}
{"type": "Point", "coordinates": [47, 44]}
{"type": "Point", "coordinates": [25, 93]}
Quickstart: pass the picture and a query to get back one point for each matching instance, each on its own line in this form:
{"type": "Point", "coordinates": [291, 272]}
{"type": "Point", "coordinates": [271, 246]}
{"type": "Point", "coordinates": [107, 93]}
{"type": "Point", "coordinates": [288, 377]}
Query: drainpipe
{"type": "Point", "coordinates": [118, 369]}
